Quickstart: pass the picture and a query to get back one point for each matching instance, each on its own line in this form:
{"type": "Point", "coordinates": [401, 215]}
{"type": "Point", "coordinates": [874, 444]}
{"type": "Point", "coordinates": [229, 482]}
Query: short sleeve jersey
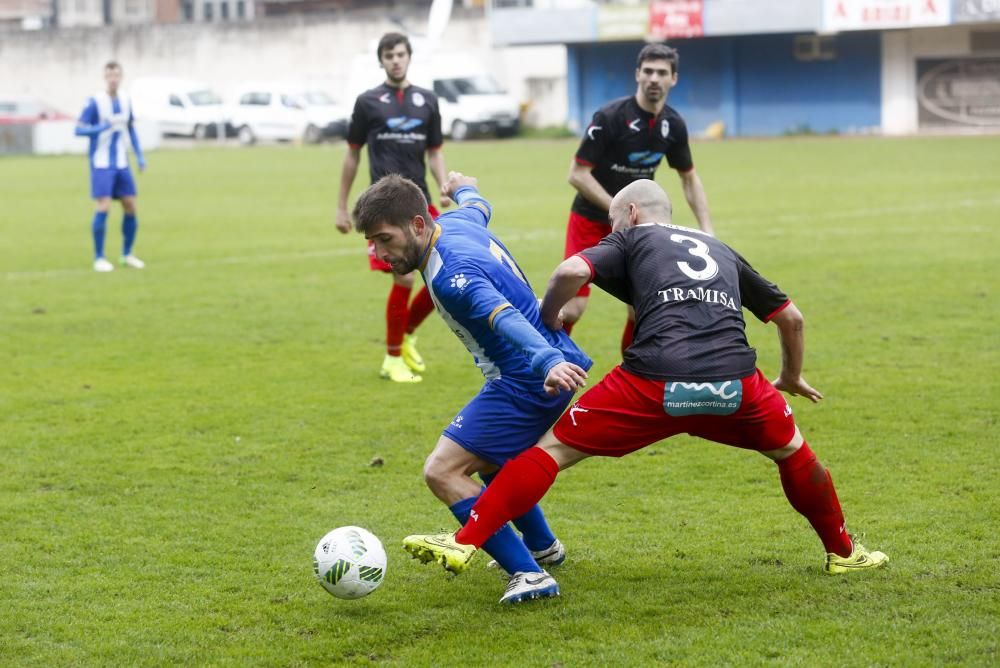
{"type": "Point", "coordinates": [625, 143]}
{"type": "Point", "coordinates": [399, 126]}
{"type": "Point", "coordinates": [688, 289]}
{"type": "Point", "coordinates": [472, 278]}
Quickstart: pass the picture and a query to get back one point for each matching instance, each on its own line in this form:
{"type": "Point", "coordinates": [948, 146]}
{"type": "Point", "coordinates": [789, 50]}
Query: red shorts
{"type": "Point", "coordinates": [581, 234]}
{"type": "Point", "coordinates": [624, 413]}
{"type": "Point", "coordinates": [375, 264]}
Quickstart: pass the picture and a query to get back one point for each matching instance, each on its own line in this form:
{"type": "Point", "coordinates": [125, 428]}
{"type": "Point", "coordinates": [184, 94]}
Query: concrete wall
{"type": "Point", "coordinates": [64, 67]}
{"type": "Point", "coordinates": [900, 52]}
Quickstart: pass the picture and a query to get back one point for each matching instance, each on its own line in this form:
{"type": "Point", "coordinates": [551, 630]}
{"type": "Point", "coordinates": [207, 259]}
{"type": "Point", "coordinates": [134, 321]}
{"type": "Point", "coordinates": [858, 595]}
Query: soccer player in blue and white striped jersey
{"type": "Point", "coordinates": [105, 120]}
{"type": "Point", "coordinates": [531, 371]}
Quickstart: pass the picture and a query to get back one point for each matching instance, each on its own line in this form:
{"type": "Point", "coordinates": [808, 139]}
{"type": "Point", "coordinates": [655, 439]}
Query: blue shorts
{"type": "Point", "coordinates": [111, 182]}
{"type": "Point", "coordinates": [502, 421]}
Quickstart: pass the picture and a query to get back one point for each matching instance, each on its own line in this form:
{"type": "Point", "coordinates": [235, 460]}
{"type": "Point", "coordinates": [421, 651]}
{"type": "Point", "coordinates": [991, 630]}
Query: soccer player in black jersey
{"type": "Point", "coordinates": [399, 122]}
{"type": "Point", "coordinates": [689, 370]}
{"type": "Point", "coordinates": [626, 140]}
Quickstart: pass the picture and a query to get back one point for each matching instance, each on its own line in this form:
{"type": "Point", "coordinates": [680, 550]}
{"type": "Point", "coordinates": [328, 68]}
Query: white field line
{"type": "Point", "coordinates": [538, 234]}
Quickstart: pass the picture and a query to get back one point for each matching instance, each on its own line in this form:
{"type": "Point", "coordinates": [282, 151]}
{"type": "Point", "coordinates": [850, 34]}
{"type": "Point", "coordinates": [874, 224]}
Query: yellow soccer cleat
{"type": "Point", "coordinates": [860, 559]}
{"type": "Point", "coordinates": [410, 354]}
{"type": "Point", "coordinates": [395, 369]}
{"type": "Point", "coordinates": [440, 548]}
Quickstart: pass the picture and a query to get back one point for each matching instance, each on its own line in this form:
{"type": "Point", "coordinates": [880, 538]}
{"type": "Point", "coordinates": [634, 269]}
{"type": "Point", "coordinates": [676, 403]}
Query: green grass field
{"type": "Point", "coordinates": [175, 441]}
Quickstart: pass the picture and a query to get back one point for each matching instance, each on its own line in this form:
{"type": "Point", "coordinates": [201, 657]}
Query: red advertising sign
{"type": "Point", "coordinates": [676, 18]}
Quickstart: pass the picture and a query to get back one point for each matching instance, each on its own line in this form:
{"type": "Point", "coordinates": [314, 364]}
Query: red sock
{"type": "Point", "coordinates": [568, 327]}
{"type": "Point", "coordinates": [810, 490]}
{"type": "Point", "coordinates": [627, 334]}
{"type": "Point", "coordinates": [420, 308]}
{"type": "Point", "coordinates": [396, 314]}
{"type": "Point", "coordinates": [519, 485]}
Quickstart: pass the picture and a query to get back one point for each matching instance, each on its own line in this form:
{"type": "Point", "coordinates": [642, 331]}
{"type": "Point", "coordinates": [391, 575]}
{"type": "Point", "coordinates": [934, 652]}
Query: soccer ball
{"type": "Point", "coordinates": [349, 562]}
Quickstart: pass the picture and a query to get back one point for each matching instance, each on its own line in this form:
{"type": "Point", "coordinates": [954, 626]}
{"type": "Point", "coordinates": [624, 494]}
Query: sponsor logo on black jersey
{"type": "Point", "coordinates": [403, 123]}
{"type": "Point", "coordinates": [645, 157]}
{"type": "Point", "coordinates": [400, 130]}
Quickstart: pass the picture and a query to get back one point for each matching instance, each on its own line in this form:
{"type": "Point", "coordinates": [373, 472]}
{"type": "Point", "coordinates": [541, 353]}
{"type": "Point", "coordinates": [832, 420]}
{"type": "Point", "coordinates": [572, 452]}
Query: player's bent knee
{"type": "Point", "coordinates": [564, 455]}
{"type": "Point", "coordinates": [786, 451]}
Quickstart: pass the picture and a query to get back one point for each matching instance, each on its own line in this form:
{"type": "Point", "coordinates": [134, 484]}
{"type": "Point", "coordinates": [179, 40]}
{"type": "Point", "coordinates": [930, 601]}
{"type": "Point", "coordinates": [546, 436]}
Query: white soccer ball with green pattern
{"type": "Point", "coordinates": [349, 562]}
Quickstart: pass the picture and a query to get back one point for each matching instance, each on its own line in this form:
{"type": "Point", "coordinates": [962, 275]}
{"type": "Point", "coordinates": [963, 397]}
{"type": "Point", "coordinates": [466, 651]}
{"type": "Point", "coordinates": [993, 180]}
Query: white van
{"type": "Point", "coordinates": [180, 106]}
{"type": "Point", "coordinates": [286, 112]}
{"type": "Point", "coordinates": [473, 103]}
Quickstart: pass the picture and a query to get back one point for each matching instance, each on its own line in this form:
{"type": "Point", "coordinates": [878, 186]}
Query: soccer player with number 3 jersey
{"type": "Point", "coordinates": [689, 370]}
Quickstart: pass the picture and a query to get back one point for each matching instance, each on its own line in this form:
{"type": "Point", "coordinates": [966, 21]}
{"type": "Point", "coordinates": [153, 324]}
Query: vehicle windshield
{"type": "Point", "coordinates": [478, 85]}
{"type": "Point", "coordinates": [201, 98]}
{"type": "Point", "coordinates": [315, 98]}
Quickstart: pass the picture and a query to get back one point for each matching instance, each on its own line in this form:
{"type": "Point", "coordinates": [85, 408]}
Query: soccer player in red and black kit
{"type": "Point", "coordinates": [689, 370]}
{"type": "Point", "coordinates": [626, 141]}
{"type": "Point", "coordinates": [399, 122]}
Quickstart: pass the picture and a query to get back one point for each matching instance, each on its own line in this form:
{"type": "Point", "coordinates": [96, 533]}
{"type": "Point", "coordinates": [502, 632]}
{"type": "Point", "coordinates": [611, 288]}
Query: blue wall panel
{"type": "Point", "coordinates": [753, 84]}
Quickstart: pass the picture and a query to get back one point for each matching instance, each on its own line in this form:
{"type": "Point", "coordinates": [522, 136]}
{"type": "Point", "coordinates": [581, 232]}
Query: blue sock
{"type": "Point", "coordinates": [532, 525]}
{"type": "Point", "coordinates": [98, 228]}
{"type": "Point", "coordinates": [505, 546]}
{"type": "Point", "coordinates": [129, 227]}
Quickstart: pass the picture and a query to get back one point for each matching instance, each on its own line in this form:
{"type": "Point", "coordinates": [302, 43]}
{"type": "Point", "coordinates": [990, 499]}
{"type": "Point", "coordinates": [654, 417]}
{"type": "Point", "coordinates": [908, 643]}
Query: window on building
{"type": "Point", "coordinates": [815, 47]}
{"type": "Point", "coordinates": [223, 11]}
{"type": "Point", "coordinates": [209, 11]}
{"type": "Point", "coordinates": [187, 10]}
{"type": "Point", "coordinates": [241, 10]}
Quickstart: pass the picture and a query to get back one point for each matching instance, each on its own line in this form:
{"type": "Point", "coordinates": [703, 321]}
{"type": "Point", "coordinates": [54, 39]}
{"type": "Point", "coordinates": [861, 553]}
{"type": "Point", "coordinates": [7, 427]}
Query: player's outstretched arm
{"type": "Point", "coordinates": [571, 275]}
{"type": "Point", "coordinates": [134, 138]}
{"type": "Point", "coordinates": [348, 171]}
{"type": "Point", "coordinates": [513, 326]}
{"type": "Point", "coordinates": [435, 160]}
{"type": "Point", "coordinates": [791, 326]}
{"type": "Point", "coordinates": [457, 180]}
{"type": "Point", "coordinates": [694, 193]}
{"type": "Point", "coordinates": [581, 178]}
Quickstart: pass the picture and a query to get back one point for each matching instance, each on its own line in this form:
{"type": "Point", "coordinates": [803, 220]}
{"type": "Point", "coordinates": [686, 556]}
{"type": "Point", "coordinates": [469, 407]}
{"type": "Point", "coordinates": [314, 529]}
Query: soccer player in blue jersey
{"type": "Point", "coordinates": [531, 372]}
{"type": "Point", "coordinates": [106, 119]}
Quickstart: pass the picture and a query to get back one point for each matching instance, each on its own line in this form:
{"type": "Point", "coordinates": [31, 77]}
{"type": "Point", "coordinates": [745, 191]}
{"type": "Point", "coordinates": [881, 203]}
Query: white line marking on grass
{"type": "Point", "coordinates": [923, 207]}
{"type": "Point", "coordinates": [244, 259]}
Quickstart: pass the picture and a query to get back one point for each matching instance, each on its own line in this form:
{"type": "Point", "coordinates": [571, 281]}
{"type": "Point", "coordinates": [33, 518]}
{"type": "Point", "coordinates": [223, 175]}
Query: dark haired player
{"type": "Point", "coordinates": [626, 141]}
{"type": "Point", "coordinates": [484, 297]}
{"type": "Point", "coordinates": [399, 122]}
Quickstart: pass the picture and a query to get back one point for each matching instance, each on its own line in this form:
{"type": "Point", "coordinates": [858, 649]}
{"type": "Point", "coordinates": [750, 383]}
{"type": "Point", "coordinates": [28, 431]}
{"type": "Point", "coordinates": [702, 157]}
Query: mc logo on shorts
{"type": "Point", "coordinates": [721, 398]}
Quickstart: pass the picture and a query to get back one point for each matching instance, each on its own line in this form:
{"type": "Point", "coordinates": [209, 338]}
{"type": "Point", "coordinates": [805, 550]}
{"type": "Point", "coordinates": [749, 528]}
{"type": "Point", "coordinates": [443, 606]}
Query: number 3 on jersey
{"type": "Point", "coordinates": [501, 255]}
{"type": "Point", "coordinates": [700, 251]}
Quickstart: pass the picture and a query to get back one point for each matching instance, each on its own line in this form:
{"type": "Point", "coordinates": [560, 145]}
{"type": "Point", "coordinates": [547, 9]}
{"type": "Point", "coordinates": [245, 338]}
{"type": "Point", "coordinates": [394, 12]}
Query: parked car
{"type": "Point", "coordinates": [182, 107]}
{"type": "Point", "coordinates": [285, 112]}
{"type": "Point", "coordinates": [327, 119]}
{"type": "Point", "coordinates": [472, 103]}
{"type": "Point", "coordinates": [28, 110]}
